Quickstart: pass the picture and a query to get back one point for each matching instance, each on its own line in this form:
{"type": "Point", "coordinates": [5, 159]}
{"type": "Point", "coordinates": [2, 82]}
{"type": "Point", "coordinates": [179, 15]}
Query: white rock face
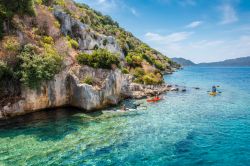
{"type": "Point", "coordinates": [88, 97]}
{"type": "Point", "coordinates": [51, 94]}
{"type": "Point", "coordinates": [66, 89]}
{"type": "Point", "coordinates": [87, 39]}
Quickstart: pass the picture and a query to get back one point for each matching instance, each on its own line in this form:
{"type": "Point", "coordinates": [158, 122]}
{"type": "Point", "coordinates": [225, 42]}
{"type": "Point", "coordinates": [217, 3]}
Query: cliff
{"type": "Point", "coordinates": [58, 53]}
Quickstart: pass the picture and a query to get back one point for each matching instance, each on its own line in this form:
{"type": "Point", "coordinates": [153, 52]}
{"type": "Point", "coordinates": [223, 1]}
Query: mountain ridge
{"type": "Point", "coordinates": [242, 61]}
{"type": "Point", "coordinates": [183, 62]}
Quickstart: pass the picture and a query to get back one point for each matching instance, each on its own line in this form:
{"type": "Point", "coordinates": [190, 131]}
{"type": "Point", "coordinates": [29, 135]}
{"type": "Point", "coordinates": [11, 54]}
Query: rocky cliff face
{"type": "Point", "coordinates": [88, 40]}
{"type": "Point", "coordinates": [67, 88]}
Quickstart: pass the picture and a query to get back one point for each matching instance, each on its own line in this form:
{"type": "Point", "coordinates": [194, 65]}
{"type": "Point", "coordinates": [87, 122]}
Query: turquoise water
{"type": "Point", "coordinates": [190, 128]}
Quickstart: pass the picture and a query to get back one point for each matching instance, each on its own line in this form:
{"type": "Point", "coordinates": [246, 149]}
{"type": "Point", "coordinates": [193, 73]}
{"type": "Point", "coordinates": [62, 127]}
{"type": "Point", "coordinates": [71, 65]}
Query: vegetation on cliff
{"type": "Point", "coordinates": [33, 48]}
{"type": "Point", "coordinates": [100, 58]}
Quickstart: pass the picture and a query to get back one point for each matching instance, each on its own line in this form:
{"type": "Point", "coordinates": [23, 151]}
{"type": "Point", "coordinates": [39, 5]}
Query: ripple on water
{"type": "Point", "coordinates": [189, 128]}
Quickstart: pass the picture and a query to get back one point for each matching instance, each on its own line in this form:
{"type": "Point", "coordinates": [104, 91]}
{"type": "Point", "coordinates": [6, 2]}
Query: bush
{"type": "Point", "coordinates": [4, 70]}
{"type": "Point", "coordinates": [105, 42]}
{"type": "Point", "coordinates": [147, 78]}
{"type": "Point", "coordinates": [88, 80]}
{"type": "Point", "coordinates": [59, 2]}
{"type": "Point", "coordinates": [134, 59]}
{"type": "Point", "coordinates": [100, 58]}
{"type": "Point", "coordinates": [152, 79]}
{"type": "Point", "coordinates": [36, 68]}
{"type": "Point", "coordinates": [158, 65]}
{"type": "Point", "coordinates": [48, 40]}
{"type": "Point", "coordinates": [125, 71]}
{"type": "Point", "coordinates": [138, 73]}
{"type": "Point", "coordinates": [10, 7]}
{"type": "Point", "coordinates": [11, 44]}
{"type": "Point", "coordinates": [73, 43]}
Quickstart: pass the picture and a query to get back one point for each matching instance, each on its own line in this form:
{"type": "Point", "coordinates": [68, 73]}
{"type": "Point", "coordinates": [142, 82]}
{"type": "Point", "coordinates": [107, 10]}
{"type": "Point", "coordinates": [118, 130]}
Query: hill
{"type": "Point", "coordinates": [58, 52]}
{"type": "Point", "coordinates": [183, 62]}
{"type": "Point", "coordinates": [244, 61]}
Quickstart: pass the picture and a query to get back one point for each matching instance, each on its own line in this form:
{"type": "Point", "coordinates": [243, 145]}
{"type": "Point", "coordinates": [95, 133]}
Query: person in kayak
{"type": "Point", "coordinates": [214, 90]}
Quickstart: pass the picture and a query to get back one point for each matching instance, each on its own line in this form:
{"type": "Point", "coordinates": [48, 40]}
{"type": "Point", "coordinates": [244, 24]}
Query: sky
{"type": "Point", "coordinates": [198, 30]}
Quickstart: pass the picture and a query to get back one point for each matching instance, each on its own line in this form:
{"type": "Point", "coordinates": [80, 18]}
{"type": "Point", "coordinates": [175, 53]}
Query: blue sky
{"type": "Point", "coordinates": [199, 30]}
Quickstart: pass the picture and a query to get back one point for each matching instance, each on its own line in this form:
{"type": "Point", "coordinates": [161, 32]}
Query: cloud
{"type": "Point", "coordinates": [187, 2]}
{"type": "Point", "coordinates": [180, 2]}
{"type": "Point", "coordinates": [109, 6]}
{"type": "Point", "coordinates": [229, 14]}
{"type": "Point", "coordinates": [134, 12]}
{"type": "Point", "coordinates": [167, 39]}
{"type": "Point", "coordinates": [194, 24]}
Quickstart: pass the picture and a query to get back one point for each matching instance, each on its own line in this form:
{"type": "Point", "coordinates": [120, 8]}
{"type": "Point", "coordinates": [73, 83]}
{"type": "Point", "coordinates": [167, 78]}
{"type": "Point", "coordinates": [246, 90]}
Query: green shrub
{"type": "Point", "coordinates": [105, 42]}
{"type": "Point", "coordinates": [4, 70]}
{"type": "Point", "coordinates": [88, 80]}
{"type": "Point", "coordinates": [139, 72]}
{"type": "Point", "coordinates": [11, 44]}
{"type": "Point", "coordinates": [36, 68]}
{"type": "Point", "coordinates": [147, 78]}
{"type": "Point", "coordinates": [125, 71]}
{"type": "Point", "coordinates": [59, 2]}
{"type": "Point", "coordinates": [72, 43]}
{"type": "Point", "coordinates": [96, 47]}
{"type": "Point", "coordinates": [10, 7]}
{"type": "Point", "coordinates": [152, 79]}
{"type": "Point", "coordinates": [48, 40]}
{"type": "Point", "coordinates": [100, 58]}
{"type": "Point", "coordinates": [158, 65]}
{"type": "Point", "coordinates": [134, 59]}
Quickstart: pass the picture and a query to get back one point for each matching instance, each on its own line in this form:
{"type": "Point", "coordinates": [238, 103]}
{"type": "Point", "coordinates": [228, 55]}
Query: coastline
{"type": "Point", "coordinates": [67, 91]}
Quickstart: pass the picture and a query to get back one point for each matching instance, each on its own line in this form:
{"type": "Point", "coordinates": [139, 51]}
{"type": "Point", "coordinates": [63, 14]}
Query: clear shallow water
{"type": "Point", "coordinates": [189, 128]}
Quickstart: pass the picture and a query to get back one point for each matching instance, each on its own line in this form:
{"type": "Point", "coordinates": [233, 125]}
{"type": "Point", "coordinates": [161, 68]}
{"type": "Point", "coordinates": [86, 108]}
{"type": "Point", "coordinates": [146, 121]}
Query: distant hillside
{"type": "Point", "coordinates": [244, 61]}
{"type": "Point", "coordinates": [183, 62]}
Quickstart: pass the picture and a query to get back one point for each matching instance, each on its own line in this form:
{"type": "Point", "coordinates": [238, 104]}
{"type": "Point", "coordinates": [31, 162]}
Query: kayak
{"type": "Point", "coordinates": [153, 100]}
{"type": "Point", "coordinates": [213, 93]}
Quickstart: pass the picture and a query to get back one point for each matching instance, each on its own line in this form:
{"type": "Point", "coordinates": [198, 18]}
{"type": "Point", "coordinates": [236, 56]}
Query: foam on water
{"type": "Point", "coordinates": [190, 128]}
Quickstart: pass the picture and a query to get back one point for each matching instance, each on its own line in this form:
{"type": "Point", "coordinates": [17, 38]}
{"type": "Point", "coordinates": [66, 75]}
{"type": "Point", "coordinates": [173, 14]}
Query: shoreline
{"type": "Point", "coordinates": [134, 91]}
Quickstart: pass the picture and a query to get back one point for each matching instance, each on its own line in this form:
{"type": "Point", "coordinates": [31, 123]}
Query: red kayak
{"type": "Point", "coordinates": [155, 99]}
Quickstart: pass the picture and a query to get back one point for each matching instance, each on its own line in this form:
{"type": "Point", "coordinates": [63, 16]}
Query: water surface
{"type": "Point", "coordinates": [190, 128]}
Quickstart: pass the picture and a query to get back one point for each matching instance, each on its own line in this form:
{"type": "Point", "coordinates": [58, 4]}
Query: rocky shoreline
{"type": "Point", "coordinates": [68, 90]}
{"type": "Point", "coordinates": [68, 87]}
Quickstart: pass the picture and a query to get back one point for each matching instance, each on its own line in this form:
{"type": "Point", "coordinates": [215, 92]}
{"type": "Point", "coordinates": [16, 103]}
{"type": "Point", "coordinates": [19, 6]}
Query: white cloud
{"type": "Point", "coordinates": [194, 24]}
{"type": "Point", "coordinates": [180, 2]}
{"type": "Point", "coordinates": [187, 2]}
{"type": "Point", "coordinates": [167, 39]}
{"type": "Point", "coordinates": [229, 14]}
{"type": "Point", "coordinates": [109, 6]}
{"type": "Point", "coordinates": [134, 12]}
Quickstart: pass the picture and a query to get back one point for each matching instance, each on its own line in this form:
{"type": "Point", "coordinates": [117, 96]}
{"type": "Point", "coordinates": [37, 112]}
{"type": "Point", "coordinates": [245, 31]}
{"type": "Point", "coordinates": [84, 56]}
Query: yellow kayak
{"type": "Point", "coordinates": [213, 93]}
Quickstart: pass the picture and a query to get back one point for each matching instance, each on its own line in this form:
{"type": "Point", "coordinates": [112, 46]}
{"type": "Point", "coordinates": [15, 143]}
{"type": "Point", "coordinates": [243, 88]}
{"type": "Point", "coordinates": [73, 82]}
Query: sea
{"type": "Point", "coordinates": [183, 129]}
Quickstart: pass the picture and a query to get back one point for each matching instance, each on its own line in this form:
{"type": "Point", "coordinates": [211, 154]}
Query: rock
{"type": "Point", "coordinates": [87, 39]}
{"type": "Point", "coordinates": [174, 89]}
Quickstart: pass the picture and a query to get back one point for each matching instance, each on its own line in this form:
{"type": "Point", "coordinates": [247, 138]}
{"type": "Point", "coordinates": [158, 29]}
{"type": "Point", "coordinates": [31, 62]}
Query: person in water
{"type": "Point", "coordinates": [123, 107]}
{"type": "Point", "coordinates": [214, 90]}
